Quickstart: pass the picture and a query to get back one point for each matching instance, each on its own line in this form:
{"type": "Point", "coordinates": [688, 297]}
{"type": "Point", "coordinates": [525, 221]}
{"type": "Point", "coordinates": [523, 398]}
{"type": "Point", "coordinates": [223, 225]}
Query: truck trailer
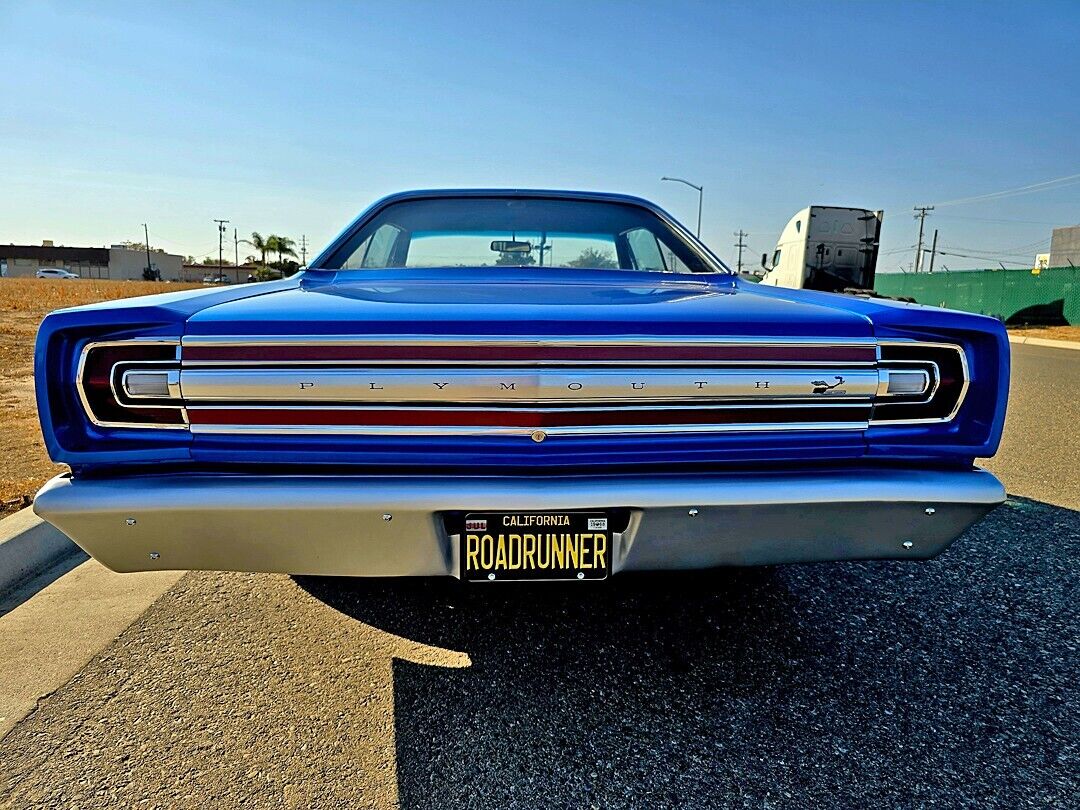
{"type": "Point", "coordinates": [826, 248]}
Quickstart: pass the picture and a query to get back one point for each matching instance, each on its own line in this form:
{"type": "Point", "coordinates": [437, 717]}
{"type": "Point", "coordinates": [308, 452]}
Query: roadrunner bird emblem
{"type": "Point", "coordinates": [820, 386]}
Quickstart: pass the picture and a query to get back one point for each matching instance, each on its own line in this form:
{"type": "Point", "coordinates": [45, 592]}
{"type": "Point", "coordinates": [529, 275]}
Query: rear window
{"type": "Point", "coordinates": [518, 232]}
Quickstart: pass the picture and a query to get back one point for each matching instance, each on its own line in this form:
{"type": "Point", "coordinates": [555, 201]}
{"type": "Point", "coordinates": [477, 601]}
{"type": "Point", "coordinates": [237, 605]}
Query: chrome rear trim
{"type": "Point", "coordinates": [498, 340]}
{"type": "Point", "coordinates": [768, 384]}
{"type": "Point", "coordinates": [583, 430]}
{"type": "Point", "coordinates": [445, 386]}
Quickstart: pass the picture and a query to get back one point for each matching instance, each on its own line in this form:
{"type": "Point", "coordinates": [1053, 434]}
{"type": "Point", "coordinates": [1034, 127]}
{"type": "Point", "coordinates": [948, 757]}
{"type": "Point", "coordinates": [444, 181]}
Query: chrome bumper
{"type": "Point", "coordinates": [394, 525]}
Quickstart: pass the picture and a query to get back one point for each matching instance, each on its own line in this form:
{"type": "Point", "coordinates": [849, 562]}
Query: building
{"type": "Point", "coordinates": [1065, 247]}
{"type": "Point", "coordinates": [118, 262]}
{"type": "Point", "coordinates": [231, 273]}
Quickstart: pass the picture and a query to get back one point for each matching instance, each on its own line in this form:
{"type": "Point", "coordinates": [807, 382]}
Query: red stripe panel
{"type": "Point", "coordinates": [318, 417]}
{"type": "Point", "coordinates": [674, 352]}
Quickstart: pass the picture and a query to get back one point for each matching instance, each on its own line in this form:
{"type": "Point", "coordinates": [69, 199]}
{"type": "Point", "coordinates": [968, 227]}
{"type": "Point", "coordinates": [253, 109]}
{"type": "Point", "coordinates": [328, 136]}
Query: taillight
{"type": "Point", "coordinates": [945, 367]}
{"type": "Point", "coordinates": [132, 383]}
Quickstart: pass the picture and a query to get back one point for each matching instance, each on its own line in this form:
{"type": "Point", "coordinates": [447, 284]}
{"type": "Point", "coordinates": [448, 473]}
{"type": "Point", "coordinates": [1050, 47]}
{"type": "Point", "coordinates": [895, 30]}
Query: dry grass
{"type": "Point", "coordinates": [24, 465]}
{"type": "Point", "coordinates": [1049, 332]}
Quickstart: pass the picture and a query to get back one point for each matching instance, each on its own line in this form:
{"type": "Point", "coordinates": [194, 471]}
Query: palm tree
{"type": "Point", "coordinates": [260, 244]}
{"type": "Point", "coordinates": [281, 245]}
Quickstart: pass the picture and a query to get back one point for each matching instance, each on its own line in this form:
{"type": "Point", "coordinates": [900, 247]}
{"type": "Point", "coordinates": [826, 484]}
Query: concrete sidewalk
{"type": "Point", "coordinates": [1037, 341]}
{"type": "Point", "coordinates": [52, 625]}
{"type": "Point", "coordinates": [28, 546]}
{"type": "Point", "coordinates": [58, 609]}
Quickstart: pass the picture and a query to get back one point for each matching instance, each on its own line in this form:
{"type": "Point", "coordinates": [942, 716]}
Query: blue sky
{"type": "Point", "coordinates": [290, 118]}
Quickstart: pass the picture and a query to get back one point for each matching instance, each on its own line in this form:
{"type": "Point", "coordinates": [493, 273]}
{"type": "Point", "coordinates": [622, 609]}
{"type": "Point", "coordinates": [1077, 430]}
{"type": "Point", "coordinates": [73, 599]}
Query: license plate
{"type": "Point", "coordinates": [500, 546]}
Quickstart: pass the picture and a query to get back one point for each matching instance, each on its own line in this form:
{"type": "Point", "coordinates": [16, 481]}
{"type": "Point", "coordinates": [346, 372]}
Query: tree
{"type": "Point", "coordinates": [515, 259]}
{"type": "Point", "coordinates": [594, 259]}
{"type": "Point", "coordinates": [260, 244]}
{"type": "Point", "coordinates": [281, 245]}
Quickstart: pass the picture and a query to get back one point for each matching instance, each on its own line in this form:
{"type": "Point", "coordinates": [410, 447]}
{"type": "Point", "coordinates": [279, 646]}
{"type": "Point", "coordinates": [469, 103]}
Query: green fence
{"type": "Point", "coordinates": [1015, 296]}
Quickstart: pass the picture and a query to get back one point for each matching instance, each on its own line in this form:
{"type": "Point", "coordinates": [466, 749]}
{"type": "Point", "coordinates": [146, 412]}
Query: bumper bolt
{"type": "Point", "coordinates": [693, 513]}
{"type": "Point", "coordinates": [155, 555]}
{"type": "Point", "coordinates": [387, 517]}
{"type": "Point", "coordinates": [491, 576]}
{"type": "Point", "coordinates": [930, 510]}
{"type": "Point", "coordinates": [908, 544]}
{"type": "Point", "coordinates": [130, 521]}
{"type": "Point", "coordinates": [538, 436]}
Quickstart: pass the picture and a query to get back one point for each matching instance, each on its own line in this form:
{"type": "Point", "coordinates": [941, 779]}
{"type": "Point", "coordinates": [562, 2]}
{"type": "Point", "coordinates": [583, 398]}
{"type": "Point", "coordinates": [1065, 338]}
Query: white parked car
{"type": "Point", "coordinates": [55, 272]}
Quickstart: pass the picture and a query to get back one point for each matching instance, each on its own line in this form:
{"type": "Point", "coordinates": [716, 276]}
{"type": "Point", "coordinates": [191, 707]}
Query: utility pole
{"type": "Point", "coordinates": [220, 247]}
{"type": "Point", "coordinates": [740, 245]}
{"type": "Point", "coordinates": [933, 251]}
{"type": "Point", "coordinates": [922, 210]}
{"type": "Point", "coordinates": [149, 267]}
{"type": "Point", "coordinates": [303, 250]}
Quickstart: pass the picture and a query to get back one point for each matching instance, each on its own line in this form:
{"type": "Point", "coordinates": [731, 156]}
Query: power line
{"type": "Point", "coordinates": [1046, 185]}
{"type": "Point", "coordinates": [991, 219]}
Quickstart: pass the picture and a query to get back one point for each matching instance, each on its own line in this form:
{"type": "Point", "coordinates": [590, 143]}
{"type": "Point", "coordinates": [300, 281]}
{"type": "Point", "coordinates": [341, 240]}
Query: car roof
{"type": "Point", "coordinates": [533, 193]}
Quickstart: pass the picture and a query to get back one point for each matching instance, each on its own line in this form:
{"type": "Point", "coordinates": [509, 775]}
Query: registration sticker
{"type": "Point", "coordinates": [598, 524]}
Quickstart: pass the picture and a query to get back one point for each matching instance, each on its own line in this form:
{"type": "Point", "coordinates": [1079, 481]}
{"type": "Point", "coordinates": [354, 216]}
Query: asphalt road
{"type": "Point", "coordinates": [1040, 451]}
{"type": "Point", "coordinates": [949, 683]}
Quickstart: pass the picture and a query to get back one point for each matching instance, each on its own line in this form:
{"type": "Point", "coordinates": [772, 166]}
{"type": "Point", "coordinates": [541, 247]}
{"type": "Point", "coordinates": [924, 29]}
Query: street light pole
{"type": "Point", "coordinates": [700, 194]}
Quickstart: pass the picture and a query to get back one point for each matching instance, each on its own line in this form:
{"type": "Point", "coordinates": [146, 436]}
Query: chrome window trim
{"type": "Point", "coordinates": [80, 389]}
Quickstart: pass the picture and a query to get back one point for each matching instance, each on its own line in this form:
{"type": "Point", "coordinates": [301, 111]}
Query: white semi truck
{"type": "Point", "coordinates": [826, 248]}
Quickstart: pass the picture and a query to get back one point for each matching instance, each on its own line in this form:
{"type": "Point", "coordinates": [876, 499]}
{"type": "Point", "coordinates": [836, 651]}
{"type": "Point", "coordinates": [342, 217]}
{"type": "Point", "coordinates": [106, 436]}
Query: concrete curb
{"type": "Point", "coordinates": [1053, 344]}
{"type": "Point", "coordinates": [29, 545]}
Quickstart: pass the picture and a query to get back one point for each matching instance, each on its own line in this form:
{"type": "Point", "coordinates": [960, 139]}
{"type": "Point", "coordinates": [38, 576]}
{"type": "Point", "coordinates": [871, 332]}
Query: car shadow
{"type": "Point", "coordinates": [830, 684]}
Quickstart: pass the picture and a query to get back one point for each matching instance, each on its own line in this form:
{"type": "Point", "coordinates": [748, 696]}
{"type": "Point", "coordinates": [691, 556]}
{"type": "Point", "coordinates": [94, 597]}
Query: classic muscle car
{"type": "Point", "coordinates": [508, 385]}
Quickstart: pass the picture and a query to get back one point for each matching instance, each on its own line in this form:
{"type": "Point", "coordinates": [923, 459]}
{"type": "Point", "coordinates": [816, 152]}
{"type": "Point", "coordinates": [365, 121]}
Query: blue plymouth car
{"type": "Point", "coordinates": [515, 385]}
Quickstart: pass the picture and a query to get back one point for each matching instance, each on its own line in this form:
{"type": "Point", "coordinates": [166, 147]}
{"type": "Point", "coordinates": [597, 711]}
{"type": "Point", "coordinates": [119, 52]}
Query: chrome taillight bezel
{"type": "Point", "coordinates": [937, 377]}
{"type": "Point", "coordinates": [156, 415]}
{"type": "Point", "coordinates": [170, 412]}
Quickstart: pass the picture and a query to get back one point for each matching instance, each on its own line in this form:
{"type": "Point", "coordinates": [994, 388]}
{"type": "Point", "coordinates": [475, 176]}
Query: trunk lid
{"type": "Point", "coordinates": [524, 301]}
